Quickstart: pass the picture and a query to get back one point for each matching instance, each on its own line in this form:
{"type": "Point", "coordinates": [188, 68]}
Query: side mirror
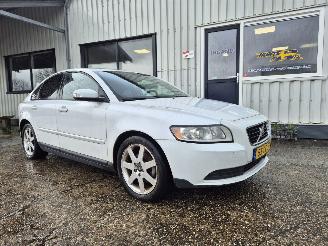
{"type": "Point", "coordinates": [87, 95]}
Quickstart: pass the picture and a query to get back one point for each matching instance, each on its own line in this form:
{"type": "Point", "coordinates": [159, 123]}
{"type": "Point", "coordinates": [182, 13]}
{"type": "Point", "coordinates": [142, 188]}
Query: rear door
{"type": "Point", "coordinates": [82, 125]}
{"type": "Point", "coordinates": [221, 64]}
{"type": "Point", "coordinates": [44, 108]}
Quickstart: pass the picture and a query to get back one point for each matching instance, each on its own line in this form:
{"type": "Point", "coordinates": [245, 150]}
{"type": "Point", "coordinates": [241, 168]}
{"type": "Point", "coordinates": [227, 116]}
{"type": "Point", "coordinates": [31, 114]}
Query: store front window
{"type": "Point", "coordinates": [282, 47]}
{"type": "Point", "coordinates": [133, 55]}
{"type": "Point", "coordinates": [26, 71]}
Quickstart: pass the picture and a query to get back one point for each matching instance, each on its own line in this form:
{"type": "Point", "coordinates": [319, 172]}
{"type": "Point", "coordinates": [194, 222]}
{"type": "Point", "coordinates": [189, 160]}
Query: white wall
{"type": "Point", "coordinates": [18, 37]}
{"type": "Point", "coordinates": [299, 101]}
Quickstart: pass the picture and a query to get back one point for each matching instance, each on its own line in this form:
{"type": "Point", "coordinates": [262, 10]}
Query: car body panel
{"type": "Point", "coordinates": [206, 108]}
{"type": "Point", "coordinates": [83, 128]}
{"type": "Point", "coordinates": [92, 129]}
{"type": "Point", "coordinates": [43, 116]}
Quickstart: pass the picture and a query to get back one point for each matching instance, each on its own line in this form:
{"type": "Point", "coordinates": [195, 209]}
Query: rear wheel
{"type": "Point", "coordinates": [142, 169]}
{"type": "Point", "coordinates": [30, 144]}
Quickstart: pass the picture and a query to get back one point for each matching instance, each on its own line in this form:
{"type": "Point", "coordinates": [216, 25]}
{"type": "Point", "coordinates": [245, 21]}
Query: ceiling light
{"type": "Point", "coordinates": [264, 30]}
{"type": "Point", "coordinates": [142, 51]}
{"type": "Point", "coordinates": [280, 48]}
{"type": "Point", "coordinates": [312, 45]}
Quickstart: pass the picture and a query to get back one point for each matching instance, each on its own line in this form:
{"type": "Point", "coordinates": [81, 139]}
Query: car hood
{"type": "Point", "coordinates": [202, 107]}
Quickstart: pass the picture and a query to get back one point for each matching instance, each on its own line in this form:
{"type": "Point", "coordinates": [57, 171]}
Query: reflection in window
{"type": "Point", "coordinates": [50, 88]}
{"type": "Point", "coordinates": [281, 47]}
{"type": "Point", "coordinates": [102, 56]}
{"type": "Point", "coordinates": [20, 74]}
{"type": "Point", "coordinates": [44, 66]}
{"type": "Point", "coordinates": [26, 71]}
{"type": "Point", "coordinates": [136, 56]}
{"type": "Point", "coordinates": [131, 55]}
{"type": "Point", "coordinates": [75, 81]}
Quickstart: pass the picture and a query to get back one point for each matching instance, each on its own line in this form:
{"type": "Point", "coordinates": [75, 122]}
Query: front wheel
{"type": "Point", "coordinates": [142, 169]}
{"type": "Point", "coordinates": [30, 144]}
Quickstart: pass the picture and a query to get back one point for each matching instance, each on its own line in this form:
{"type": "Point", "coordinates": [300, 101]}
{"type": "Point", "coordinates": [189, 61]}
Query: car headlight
{"type": "Point", "coordinates": [202, 134]}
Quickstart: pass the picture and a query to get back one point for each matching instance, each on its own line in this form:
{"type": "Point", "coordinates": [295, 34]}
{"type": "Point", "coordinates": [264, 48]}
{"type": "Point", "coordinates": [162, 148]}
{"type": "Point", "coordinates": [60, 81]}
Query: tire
{"type": "Point", "coordinates": [30, 144]}
{"type": "Point", "coordinates": [145, 178]}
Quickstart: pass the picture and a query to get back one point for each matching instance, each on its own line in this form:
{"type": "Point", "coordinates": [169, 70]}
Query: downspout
{"type": "Point", "coordinates": [67, 41]}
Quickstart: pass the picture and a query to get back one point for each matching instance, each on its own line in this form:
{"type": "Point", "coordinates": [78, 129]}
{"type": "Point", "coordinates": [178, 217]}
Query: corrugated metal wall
{"type": "Point", "coordinates": [18, 37]}
{"type": "Point", "coordinates": [174, 22]}
{"type": "Point", "coordinates": [297, 101]}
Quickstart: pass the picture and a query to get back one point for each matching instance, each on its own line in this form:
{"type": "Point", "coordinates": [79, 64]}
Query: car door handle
{"type": "Point", "coordinates": [34, 107]}
{"type": "Point", "coordinates": [63, 109]}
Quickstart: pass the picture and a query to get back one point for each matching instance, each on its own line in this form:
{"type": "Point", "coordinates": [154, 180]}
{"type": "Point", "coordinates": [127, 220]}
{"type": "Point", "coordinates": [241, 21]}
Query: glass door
{"type": "Point", "coordinates": [221, 64]}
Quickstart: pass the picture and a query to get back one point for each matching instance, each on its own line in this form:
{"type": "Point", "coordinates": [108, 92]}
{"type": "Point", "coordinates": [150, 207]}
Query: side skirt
{"type": "Point", "coordinates": [92, 161]}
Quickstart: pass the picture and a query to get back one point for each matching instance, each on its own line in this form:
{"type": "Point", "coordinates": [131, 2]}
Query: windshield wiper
{"type": "Point", "coordinates": [173, 96]}
{"type": "Point", "coordinates": [150, 97]}
{"type": "Point", "coordinates": [138, 98]}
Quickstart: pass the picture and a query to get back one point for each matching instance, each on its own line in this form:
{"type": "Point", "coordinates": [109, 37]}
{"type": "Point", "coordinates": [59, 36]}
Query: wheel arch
{"type": "Point", "coordinates": [125, 135]}
{"type": "Point", "coordinates": [22, 123]}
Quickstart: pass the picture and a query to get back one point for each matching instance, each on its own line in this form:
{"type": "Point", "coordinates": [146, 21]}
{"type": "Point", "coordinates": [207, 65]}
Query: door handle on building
{"type": "Point", "coordinates": [63, 109]}
{"type": "Point", "coordinates": [234, 77]}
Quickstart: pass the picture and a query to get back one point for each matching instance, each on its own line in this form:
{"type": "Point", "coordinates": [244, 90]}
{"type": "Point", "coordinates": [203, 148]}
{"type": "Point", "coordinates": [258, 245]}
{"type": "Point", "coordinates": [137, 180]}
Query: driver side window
{"type": "Point", "coordinates": [74, 80]}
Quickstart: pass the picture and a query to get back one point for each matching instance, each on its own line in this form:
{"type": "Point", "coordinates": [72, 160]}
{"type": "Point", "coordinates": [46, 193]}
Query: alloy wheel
{"type": "Point", "coordinates": [29, 141]}
{"type": "Point", "coordinates": [139, 169]}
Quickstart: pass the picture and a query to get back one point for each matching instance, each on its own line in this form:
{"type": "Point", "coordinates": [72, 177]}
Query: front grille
{"type": "Point", "coordinates": [257, 133]}
{"type": "Point", "coordinates": [232, 172]}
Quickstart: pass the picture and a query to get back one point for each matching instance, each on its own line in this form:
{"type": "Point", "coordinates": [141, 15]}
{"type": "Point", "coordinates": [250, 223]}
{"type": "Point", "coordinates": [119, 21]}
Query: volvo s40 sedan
{"type": "Point", "coordinates": [150, 132]}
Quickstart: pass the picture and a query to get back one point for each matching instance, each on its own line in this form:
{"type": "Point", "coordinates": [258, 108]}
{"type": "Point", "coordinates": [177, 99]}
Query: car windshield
{"type": "Point", "coordinates": [128, 86]}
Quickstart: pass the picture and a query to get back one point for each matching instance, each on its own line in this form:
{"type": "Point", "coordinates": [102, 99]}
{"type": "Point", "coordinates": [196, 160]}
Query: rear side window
{"type": "Point", "coordinates": [49, 90]}
{"type": "Point", "coordinates": [74, 81]}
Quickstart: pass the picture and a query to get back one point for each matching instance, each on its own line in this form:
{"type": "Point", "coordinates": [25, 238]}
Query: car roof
{"type": "Point", "coordinates": [88, 70]}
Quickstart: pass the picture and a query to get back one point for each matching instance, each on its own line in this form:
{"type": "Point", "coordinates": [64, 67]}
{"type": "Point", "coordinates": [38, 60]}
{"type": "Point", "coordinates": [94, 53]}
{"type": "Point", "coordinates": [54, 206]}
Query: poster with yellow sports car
{"type": "Point", "coordinates": [281, 47]}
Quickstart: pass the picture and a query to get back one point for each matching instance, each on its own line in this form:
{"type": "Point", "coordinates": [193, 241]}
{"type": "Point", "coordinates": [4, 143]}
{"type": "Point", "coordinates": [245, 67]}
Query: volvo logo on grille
{"type": "Point", "coordinates": [262, 130]}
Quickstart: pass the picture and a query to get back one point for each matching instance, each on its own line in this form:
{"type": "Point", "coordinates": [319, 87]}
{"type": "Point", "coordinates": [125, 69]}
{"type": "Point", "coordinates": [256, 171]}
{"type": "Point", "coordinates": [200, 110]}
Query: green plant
{"type": "Point", "coordinates": [284, 131]}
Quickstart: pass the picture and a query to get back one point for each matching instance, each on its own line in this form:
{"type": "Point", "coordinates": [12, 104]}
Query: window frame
{"type": "Point", "coordinates": [84, 49]}
{"type": "Point", "coordinates": [285, 17]}
{"type": "Point", "coordinates": [8, 67]}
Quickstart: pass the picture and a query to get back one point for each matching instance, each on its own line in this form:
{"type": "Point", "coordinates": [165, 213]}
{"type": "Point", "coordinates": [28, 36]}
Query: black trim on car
{"type": "Point", "coordinates": [92, 161]}
{"type": "Point", "coordinates": [182, 183]}
{"type": "Point", "coordinates": [251, 134]}
{"type": "Point", "coordinates": [218, 174]}
{"type": "Point", "coordinates": [232, 172]}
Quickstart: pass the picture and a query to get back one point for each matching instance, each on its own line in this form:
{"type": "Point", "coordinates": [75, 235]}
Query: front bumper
{"type": "Point", "coordinates": [191, 163]}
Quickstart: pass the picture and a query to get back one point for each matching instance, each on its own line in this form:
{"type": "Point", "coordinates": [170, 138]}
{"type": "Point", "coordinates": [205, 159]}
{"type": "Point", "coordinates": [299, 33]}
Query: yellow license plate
{"type": "Point", "coordinates": [261, 151]}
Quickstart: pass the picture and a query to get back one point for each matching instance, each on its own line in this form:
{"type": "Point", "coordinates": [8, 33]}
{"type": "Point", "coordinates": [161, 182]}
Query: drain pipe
{"type": "Point", "coordinates": [67, 41]}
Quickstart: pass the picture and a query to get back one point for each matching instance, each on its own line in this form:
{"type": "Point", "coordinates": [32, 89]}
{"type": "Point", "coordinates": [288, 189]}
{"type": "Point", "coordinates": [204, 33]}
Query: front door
{"type": "Point", "coordinates": [82, 125]}
{"type": "Point", "coordinates": [221, 64]}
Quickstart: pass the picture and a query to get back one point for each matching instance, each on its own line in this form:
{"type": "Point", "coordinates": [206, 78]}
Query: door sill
{"type": "Point", "coordinates": [85, 159]}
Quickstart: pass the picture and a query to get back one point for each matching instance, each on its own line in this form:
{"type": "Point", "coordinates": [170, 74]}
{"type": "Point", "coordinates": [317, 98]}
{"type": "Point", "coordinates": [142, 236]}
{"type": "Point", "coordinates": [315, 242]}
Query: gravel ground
{"type": "Point", "coordinates": [61, 202]}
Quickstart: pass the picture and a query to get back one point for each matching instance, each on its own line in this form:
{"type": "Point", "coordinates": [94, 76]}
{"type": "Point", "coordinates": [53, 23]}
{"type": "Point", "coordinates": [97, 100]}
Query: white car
{"type": "Point", "coordinates": [147, 130]}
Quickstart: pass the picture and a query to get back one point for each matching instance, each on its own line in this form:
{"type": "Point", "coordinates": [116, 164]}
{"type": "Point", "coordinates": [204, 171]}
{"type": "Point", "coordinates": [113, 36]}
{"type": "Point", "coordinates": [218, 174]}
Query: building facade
{"type": "Point", "coordinates": [269, 55]}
